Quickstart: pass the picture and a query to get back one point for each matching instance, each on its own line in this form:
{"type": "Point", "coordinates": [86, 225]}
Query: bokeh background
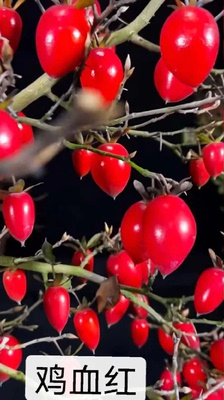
{"type": "Point", "coordinates": [81, 208]}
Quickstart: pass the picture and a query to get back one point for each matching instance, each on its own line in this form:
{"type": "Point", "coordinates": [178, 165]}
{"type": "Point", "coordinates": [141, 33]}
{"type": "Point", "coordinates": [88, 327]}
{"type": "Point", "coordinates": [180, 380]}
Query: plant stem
{"type": "Point", "coordinates": [18, 375]}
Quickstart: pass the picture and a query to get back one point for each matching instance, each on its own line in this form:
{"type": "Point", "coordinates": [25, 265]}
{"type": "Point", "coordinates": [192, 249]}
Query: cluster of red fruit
{"type": "Point", "coordinates": [62, 39]}
{"type": "Point", "coordinates": [211, 164]}
{"type": "Point", "coordinates": [189, 43]}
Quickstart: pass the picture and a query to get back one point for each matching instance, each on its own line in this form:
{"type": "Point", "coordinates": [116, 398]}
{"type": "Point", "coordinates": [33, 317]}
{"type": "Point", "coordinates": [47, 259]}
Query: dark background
{"type": "Point", "coordinates": [81, 208]}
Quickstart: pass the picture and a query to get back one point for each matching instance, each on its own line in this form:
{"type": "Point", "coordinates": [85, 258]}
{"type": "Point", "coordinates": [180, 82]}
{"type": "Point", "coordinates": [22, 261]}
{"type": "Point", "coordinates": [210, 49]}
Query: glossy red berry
{"type": "Point", "coordinates": [114, 315]}
{"type": "Point", "coordinates": [139, 332]}
{"type": "Point", "coordinates": [61, 36]}
{"type": "Point", "coordinates": [191, 340]}
{"type": "Point", "coordinates": [189, 43]}
{"type": "Point", "coordinates": [26, 131]}
{"type": "Point", "coordinates": [168, 86]}
{"type": "Point", "coordinates": [139, 311]}
{"type": "Point", "coordinates": [120, 264]}
{"type": "Point", "coordinates": [19, 215]}
{"type": "Point", "coordinates": [167, 378]}
{"type": "Point", "coordinates": [213, 396]}
{"type": "Point", "coordinates": [147, 269]}
{"type": "Point", "coordinates": [81, 160]}
{"type": "Point", "coordinates": [10, 136]}
{"type": "Point", "coordinates": [10, 27]}
{"type": "Point", "coordinates": [220, 392]}
{"type": "Point", "coordinates": [213, 157]}
{"type": "Point", "coordinates": [56, 302]}
{"type": "Point", "coordinates": [103, 71]}
{"type": "Point", "coordinates": [167, 221]}
{"type": "Point", "coordinates": [10, 357]}
{"type": "Point", "coordinates": [193, 373]}
{"type": "Point", "coordinates": [209, 290]}
{"type": "Point", "coordinates": [110, 174]}
{"type": "Point", "coordinates": [79, 257]}
{"type": "Point", "coordinates": [15, 284]}
{"type": "Point", "coordinates": [198, 172]}
{"type": "Point", "coordinates": [217, 354]}
{"type": "Point", "coordinates": [131, 232]}
{"type": "Point", "coordinates": [87, 327]}
{"type": "Point", "coordinates": [166, 341]}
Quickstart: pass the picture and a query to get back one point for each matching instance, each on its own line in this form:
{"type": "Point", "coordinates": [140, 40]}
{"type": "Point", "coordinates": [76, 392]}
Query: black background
{"type": "Point", "coordinates": [81, 208]}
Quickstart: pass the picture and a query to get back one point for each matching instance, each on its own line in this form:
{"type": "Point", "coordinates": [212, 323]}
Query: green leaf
{"type": "Point", "coordinates": [151, 395]}
{"type": "Point", "coordinates": [47, 250]}
{"type": "Point", "coordinates": [94, 241]}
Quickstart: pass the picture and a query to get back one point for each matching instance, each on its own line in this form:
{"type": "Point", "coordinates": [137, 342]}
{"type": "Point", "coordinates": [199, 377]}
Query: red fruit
{"type": "Point", "coordinates": [26, 131]}
{"type": "Point", "coordinates": [220, 392]}
{"type": "Point", "coordinates": [139, 331]}
{"type": "Point", "coordinates": [110, 174]}
{"type": "Point", "coordinates": [209, 290]}
{"type": "Point", "coordinates": [189, 43]}
{"type": "Point", "coordinates": [56, 302]}
{"type": "Point", "coordinates": [191, 341]}
{"type": "Point", "coordinates": [19, 214]}
{"type": "Point", "coordinates": [167, 378]}
{"type": "Point", "coordinates": [79, 257]}
{"type": "Point", "coordinates": [165, 341]}
{"type": "Point", "coordinates": [131, 232]}
{"type": "Point", "coordinates": [168, 86]}
{"type": "Point", "coordinates": [114, 315]}
{"type": "Point", "coordinates": [213, 157]}
{"type": "Point", "coordinates": [103, 71]}
{"type": "Point", "coordinates": [167, 221]}
{"type": "Point", "coordinates": [87, 327]}
{"type": "Point", "coordinates": [120, 264]}
{"type": "Point", "coordinates": [196, 393]}
{"type": "Point", "coordinates": [213, 396]}
{"type": "Point", "coordinates": [147, 268]}
{"type": "Point", "coordinates": [194, 373]}
{"type": "Point", "coordinates": [10, 27]}
{"type": "Point", "coordinates": [15, 284]}
{"type": "Point", "coordinates": [88, 11]}
{"type": "Point", "coordinates": [217, 354]}
{"type": "Point", "coordinates": [139, 311]}
{"type": "Point", "coordinates": [81, 160]}
{"type": "Point", "coordinates": [9, 357]}
{"type": "Point", "coordinates": [60, 39]}
{"type": "Point", "coordinates": [10, 136]}
{"type": "Point", "coordinates": [198, 172]}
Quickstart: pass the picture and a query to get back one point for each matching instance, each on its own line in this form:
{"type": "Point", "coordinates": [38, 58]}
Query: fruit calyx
{"type": "Point", "coordinates": [166, 187]}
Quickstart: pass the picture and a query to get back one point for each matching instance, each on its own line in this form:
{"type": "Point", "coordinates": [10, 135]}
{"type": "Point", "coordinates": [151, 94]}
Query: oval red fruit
{"type": "Point", "coordinates": [26, 131]}
{"type": "Point", "coordinates": [19, 215]}
{"type": "Point", "coordinates": [81, 160]}
{"type": "Point", "coordinates": [190, 340]}
{"type": "Point", "coordinates": [193, 373]}
{"type": "Point", "coordinates": [213, 157]}
{"type": "Point", "coordinates": [209, 290]}
{"type": "Point", "coordinates": [167, 378]}
{"type": "Point", "coordinates": [11, 27]}
{"type": "Point", "coordinates": [15, 284]}
{"type": "Point", "coordinates": [114, 315]}
{"type": "Point", "coordinates": [10, 136]}
{"type": "Point", "coordinates": [110, 174]}
{"type": "Point", "coordinates": [139, 332]}
{"type": "Point", "coordinates": [103, 71]}
{"type": "Point", "coordinates": [168, 86]}
{"type": "Point", "coordinates": [165, 341]}
{"type": "Point", "coordinates": [198, 172]}
{"type": "Point", "coordinates": [9, 357]}
{"type": "Point", "coordinates": [61, 36]}
{"type": "Point", "coordinates": [217, 354]}
{"type": "Point", "coordinates": [87, 327]}
{"type": "Point", "coordinates": [167, 221]}
{"type": "Point", "coordinates": [139, 311]}
{"type": "Point", "coordinates": [147, 269]}
{"type": "Point", "coordinates": [189, 43]}
{"type": "Point", "coordinates": [79, 257]}
{"type": "Point", "coordinates": [120, 264]}
{"type": "Point", "coordinates": [56, 302]}
{"type": "Point", "coordinates": [131, 232]}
